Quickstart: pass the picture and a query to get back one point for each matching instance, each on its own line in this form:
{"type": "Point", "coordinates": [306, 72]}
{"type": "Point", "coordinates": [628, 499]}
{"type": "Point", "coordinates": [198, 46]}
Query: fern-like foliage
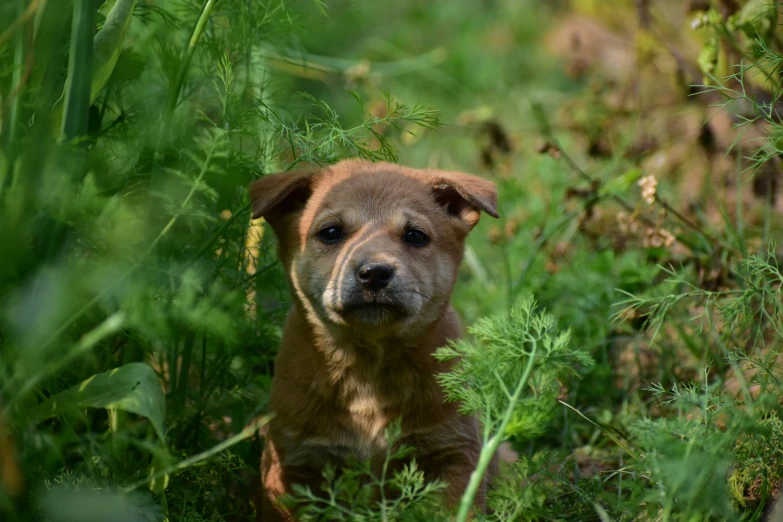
{"type": "Point", "coordinates": [128, 239]}
{"type": "Point", "coordinates": [512, 365]}
{"type": "Point", "coordinates": [357, 493]}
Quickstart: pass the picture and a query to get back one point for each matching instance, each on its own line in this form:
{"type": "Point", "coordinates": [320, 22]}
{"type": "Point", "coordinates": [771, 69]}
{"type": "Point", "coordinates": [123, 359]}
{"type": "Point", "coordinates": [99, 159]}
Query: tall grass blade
{"type": "Point", "coordinates": [80, 61]}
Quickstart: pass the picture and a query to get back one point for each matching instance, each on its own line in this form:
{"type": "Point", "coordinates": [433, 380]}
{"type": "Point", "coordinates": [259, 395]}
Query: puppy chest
{"type": "Point", "coordinates": [363, 424]}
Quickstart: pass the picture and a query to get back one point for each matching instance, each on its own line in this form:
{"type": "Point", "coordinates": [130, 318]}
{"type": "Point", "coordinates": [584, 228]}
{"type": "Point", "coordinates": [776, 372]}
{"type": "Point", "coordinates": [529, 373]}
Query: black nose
{"type": "Point", "coordinates": [375, 276]}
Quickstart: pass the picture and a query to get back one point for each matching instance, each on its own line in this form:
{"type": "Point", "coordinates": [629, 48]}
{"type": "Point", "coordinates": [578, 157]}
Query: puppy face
{"type": "Point", "coordinates": [372, 246]}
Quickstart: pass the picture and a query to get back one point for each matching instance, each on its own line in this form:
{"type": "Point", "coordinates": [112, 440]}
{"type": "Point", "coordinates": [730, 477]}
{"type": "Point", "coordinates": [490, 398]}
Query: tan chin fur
{"type": "Point", "coordinates": [339, 381]}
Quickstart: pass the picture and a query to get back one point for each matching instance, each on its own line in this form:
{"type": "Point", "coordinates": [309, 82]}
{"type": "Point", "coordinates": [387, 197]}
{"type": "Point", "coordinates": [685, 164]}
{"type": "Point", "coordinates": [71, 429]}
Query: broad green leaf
{"type": "Point", "coordinates": [107, 44]}
{"type": "Point", "coordinates": [106, 8]}
{"type": "Point", "coordinates": [134, 387]}
{"type": "Point", "coordinates": [93, 63]}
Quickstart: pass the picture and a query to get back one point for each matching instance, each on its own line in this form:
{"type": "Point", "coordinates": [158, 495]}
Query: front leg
{"type": "Point", "coordinates": [284, 466]}
{"type": "Point", "coordinates": [453, 464]}
{"type": "Point", "coordinates": [450, 453]}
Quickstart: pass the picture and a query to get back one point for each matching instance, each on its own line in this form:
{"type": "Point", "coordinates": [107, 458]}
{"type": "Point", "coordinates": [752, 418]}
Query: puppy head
{"type": "Point", "coordinates": [372, 246]}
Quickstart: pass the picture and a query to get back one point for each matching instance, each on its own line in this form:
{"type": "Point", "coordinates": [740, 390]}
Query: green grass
{"type": "Point", "coordinates": [140, 314]}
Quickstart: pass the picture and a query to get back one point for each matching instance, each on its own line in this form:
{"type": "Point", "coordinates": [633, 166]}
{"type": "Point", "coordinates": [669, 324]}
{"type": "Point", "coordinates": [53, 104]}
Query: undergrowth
{"type": "Point", "coordinates": [141, 308]}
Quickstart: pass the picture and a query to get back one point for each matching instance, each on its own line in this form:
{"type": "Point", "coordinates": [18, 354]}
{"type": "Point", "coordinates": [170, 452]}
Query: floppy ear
{"type": "Point", "coordinates": [276, 195]}
{"type": "Point", "coordinates": [465, 196]}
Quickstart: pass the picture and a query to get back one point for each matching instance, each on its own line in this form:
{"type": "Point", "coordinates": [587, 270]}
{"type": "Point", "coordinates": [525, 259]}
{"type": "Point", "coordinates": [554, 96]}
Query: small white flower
{"type": "Point", "coordinates": [658, 237]}
{"type": "Point", "coordinates": [648, 185]}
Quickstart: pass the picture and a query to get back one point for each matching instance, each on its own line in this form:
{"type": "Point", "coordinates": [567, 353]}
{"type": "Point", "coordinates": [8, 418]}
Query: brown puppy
{"type": "Point", "coordinates": [371, 251]}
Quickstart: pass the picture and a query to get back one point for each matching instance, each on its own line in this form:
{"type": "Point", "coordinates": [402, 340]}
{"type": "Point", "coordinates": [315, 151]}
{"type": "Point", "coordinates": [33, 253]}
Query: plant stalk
{"type": "Point", "coordinates": [249, 431]}
{"type": "Point", "coordinates": [198, 31]}
{"type": "Point", "coordinates": [179, 81]}
{"type": "Point", "coordinates": [16, 82]}
{"type": "Point", "coordinates": [492, 445]}
{"type": "Point", "coordinates": [79, 82]}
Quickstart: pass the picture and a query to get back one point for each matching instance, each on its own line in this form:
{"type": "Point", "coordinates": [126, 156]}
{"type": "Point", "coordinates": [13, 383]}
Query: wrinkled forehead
{"type": "Point", "coordinates": [379, 197]}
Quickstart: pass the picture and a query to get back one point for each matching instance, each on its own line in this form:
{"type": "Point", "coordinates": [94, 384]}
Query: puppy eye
{"type": "Point", "coordinates": [331, 235]}
{"type": "Point", "coordinates": [416, 238]}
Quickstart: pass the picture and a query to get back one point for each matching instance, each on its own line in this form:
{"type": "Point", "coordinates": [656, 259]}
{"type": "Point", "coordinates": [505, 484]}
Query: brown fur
{"type": "Point", "coordinates": [352, 360]}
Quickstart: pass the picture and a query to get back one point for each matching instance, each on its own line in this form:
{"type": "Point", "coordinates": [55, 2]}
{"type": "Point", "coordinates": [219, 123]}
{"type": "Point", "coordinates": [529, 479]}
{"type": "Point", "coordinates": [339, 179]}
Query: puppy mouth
{"type": "Point", "coordinates": [373, 311]}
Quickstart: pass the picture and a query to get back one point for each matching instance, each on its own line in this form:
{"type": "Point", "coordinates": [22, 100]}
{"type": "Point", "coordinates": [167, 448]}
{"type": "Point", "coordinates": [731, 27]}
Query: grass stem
{"type": "Point", "coordinates": [79, 82]}
{"type": "Point", "coordinates": [491, 446]}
